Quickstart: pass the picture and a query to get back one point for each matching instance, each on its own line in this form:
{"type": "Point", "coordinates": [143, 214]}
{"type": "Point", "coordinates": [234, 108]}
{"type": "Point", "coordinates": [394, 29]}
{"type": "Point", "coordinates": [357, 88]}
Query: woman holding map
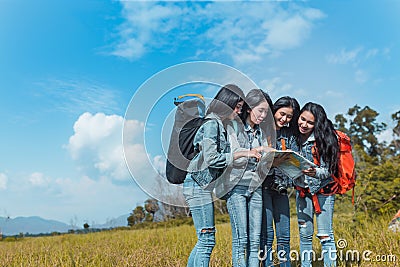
{"type": "Point", "coordinates": [286, 111]}
{"type": "Point", "coordinates": [214, 152]}
{"type": "Point", "coordinates": [314, 189]}
{"type": "Point", "coordinates": [244, 201]}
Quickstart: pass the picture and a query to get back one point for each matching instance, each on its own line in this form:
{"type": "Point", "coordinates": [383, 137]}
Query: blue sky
{"type": "Point", "coordinates": [69, 70]}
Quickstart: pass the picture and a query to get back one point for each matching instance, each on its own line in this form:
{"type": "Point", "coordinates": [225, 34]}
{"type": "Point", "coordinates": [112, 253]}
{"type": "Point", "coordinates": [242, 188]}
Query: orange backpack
{"type": "Point", "coordinates": [346, 178]}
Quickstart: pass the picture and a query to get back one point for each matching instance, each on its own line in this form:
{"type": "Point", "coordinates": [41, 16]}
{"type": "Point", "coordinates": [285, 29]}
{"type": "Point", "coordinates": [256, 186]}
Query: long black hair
{"type": "Point", "coordinates": [289, 102]}
{"type": "Point", "coordinates": [226, 100]}
{"type": "Point", "coordinates": [325, 136]}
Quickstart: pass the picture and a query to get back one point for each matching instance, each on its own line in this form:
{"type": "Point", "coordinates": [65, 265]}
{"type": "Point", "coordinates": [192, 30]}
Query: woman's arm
{"type": "Point", "coordinates": [240, 154]}
{"type": "Point", "coordinates": [247, 153]}
{"type": "Point", "coordinates": [321, 172]}
{"type": "Point", "coordinates": [212, 157]}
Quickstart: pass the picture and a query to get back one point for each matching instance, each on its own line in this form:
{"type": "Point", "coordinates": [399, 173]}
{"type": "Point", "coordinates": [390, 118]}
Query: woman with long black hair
{"type": "Point", "coordinates": [315, 189]}
{"type": "Point", "coordinates": [276, 210]}
{"type": "Point", "coordinates": [214, 152]}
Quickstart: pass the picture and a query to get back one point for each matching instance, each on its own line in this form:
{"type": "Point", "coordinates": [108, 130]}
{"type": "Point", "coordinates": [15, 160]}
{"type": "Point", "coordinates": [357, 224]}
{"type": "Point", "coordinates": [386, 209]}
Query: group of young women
{"type": "Point", "coordinates": [240, 130]}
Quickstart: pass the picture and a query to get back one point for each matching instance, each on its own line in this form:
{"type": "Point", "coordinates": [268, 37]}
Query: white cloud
{"type": "Point", "coordinates": [244, 31]}
{"type": "Point", "coordinates": [99, 150]}
{"type": "Point", "coordinates": [38, 179]}
{"type": "Point", "coordinates": [145, 21]}
{"type": "Point", "coordinates": [276, 87]}
{"type": "Point", "coordinates": [286, 33]}
{"type": "Point", "coordinates": [3, 181]}
{"type": "Point", "coordinates": [344, 56]}
{"type": "Point", "coordinates": [97, 145]}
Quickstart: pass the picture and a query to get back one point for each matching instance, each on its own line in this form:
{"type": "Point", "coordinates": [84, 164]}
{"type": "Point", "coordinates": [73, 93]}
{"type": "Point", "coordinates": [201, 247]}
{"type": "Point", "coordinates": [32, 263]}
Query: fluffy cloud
{"type": "Point", "coordinates": [3, 181]}
{"type": "Point", "coordinates": [258, 29]}
{"type": "Point", "coordinates": [102, 146]}
{"type": "Point", "coordinates": [98, 149]}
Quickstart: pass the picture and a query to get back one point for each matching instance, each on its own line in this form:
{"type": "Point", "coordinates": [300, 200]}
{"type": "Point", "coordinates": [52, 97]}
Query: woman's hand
{"type": "Point", "coordinates": [310, 172]}
{"type": "Point", "coordinates": [264, 149]}
{"type": "Point", "coordinates": [279, 160]}
{"type": "Point", "coordinates": [254, 153]}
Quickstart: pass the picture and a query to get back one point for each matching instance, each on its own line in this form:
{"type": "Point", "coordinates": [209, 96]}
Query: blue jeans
{"type": "Point", "coordinates": [245, 211]}
{"type": "Point", "coordinates": [276, 210]}
{"type": "Point", "coordinates": [202, 208]}
{"type": "Point", "coordinates": [305, 214]}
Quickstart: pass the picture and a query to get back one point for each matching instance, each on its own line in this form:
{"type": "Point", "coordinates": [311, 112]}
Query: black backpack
{"type": "Point", "coordinates": [189, 117]}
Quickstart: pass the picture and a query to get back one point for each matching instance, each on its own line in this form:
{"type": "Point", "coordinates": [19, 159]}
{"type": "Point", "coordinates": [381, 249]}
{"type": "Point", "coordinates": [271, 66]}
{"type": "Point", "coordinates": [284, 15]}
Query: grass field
{"type": "Point", "coordinates": [170, 246]}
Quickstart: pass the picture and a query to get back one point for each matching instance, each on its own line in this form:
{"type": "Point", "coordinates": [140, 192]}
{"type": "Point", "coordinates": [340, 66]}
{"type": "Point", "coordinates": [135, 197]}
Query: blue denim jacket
{"type": "Point", "coordinates": [322, 177]}
{"type": "Point", "coordinates": [275, 173]}
{"type": "Point", "coordinates": [290, 140]}
{"type": "Point", "coordinates": [210, 162]}
{"type": "Point", "coordinates": [240, 171]}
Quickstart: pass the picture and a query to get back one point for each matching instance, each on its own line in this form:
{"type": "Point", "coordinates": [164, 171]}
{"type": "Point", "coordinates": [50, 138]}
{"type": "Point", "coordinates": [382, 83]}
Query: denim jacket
{"type": "Point", "coordinates": [322, 177]}
{"type": "Point", "coordinates": [243, 168]}
{"type": "Point", "coordinates": [212, 158]}
{"type": "Point", "coordinates": [290, 140]}
{"type": "Point", "coordinates": [291, 143]}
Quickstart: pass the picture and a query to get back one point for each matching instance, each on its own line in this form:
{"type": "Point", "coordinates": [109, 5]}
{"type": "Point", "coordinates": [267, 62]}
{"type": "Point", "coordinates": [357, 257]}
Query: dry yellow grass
{"type": "Point", "coordinates": [171, 247]}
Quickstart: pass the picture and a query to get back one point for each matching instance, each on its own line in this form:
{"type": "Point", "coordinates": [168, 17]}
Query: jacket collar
{"type": "Point", "coordinates": [310, 139]}
{"type": "Point", "coordinates": [256, 129]}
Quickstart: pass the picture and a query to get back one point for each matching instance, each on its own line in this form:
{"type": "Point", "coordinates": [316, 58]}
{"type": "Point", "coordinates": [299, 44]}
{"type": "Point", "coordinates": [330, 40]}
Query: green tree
{"type": "Point", "coordinates": [378, 187]}
{"type": "Point", "coordinates": [363, 128]}
{"type": "Point", "coordinates": [131, 219]}
{"type": "Point", "coordinates": [137, 216]}
{"type": "Point", "coordinates": [395, 145]}
{"type": "Point", "coordinates": [340, 123]}
{"type": "Point", "coordinates": [151, 205]}
{"type": "Point", "coordinates": [377, 163]}
{"type": "Point", "coordinates": [149, 217]}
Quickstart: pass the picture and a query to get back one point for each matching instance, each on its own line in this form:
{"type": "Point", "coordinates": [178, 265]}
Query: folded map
{"type": "Point", "coordinates": [292, 162]}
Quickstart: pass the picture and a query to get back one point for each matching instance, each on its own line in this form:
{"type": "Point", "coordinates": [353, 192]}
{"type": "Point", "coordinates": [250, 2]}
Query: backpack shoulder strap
{"type": "Point", "coordinates": [283, 143]}
{"type": "Point", "coordinates": [218, 133]}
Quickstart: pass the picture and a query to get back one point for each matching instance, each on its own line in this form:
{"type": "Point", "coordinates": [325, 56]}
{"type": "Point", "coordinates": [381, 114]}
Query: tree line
{"type": "Point", "coordinates": [377, 188]}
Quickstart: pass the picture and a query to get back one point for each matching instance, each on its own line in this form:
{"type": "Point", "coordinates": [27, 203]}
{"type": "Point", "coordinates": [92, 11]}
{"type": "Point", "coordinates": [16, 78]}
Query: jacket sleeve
{"type": "Point", "coordinates": [235, 147]}
{"type": "Point", "coordinates": [212, 157]}
{"type": "Point", "coordinates": [322, 172]}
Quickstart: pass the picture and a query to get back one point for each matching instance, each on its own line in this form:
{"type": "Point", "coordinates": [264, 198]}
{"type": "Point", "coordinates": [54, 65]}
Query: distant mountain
{"type": "Point", "coordinates": [38, 225]}
{"type": "Point", "coordinates": [112, 223]}
{"type": "Point", "coordinates": [31, 225]}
